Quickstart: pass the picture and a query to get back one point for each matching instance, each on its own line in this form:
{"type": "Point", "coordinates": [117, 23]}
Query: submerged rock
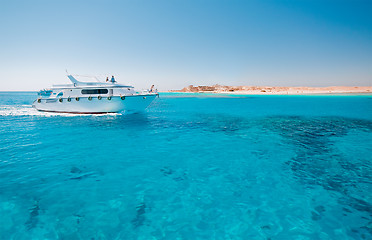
{"type": "Point", "coordinates": [34, 213]}
{"type": "Point", "coordinates": [140, 215]}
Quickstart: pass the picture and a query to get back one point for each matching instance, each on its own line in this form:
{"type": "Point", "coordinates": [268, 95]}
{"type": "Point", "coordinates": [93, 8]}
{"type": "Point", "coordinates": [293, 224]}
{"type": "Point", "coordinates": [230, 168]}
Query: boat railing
{"type": "Point", "coordinates": [63, 86]}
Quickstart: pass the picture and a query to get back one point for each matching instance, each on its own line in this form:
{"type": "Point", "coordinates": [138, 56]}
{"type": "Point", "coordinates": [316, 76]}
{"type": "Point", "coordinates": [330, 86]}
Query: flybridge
{"type": "Point", "coordinates": [77, 83]}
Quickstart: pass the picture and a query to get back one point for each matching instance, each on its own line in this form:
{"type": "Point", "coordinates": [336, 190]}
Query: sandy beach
{"type": "Point", "coordinates": [266, 90]}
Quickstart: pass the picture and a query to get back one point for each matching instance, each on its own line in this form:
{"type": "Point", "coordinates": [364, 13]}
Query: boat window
{"type": "Point", "coordinates": [94, 91]}
{"type": "Point", "coordinates": [45, 93]}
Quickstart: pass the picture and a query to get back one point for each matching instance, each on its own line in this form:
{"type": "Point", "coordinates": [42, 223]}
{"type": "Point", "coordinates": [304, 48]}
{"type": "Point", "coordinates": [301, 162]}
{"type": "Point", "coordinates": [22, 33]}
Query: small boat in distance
{"type": "Point", "coordinates": [93, 98]}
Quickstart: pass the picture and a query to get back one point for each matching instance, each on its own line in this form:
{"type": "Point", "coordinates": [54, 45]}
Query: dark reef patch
{"type": "Point", "coordinates": [33, 218]}
{"type": "Point", "coordinates": [318, 162]}
{"type": "Point", "coordinates": [75, 170]}
{"type": "Point", "coordinates": [139, 220]}
{"type": "Point", "coordinates": [178, 175]}
{"type": "Point", "coordinates": [166, 171]}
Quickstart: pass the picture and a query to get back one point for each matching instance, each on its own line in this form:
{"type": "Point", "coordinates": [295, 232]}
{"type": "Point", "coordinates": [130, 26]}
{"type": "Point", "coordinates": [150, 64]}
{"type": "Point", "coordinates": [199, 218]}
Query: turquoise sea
{"type": "Point", "coordinates": [192, 166]}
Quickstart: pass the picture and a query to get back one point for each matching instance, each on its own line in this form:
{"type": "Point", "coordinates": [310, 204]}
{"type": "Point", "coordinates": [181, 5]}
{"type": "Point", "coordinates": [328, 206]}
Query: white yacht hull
{"type": "Point", "coordinates": [94, 105]}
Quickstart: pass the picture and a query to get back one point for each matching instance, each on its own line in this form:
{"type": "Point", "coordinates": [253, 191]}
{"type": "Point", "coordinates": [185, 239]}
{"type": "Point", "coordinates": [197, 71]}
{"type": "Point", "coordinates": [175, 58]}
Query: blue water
{"type": "Point", "coordinates": [192, 166]}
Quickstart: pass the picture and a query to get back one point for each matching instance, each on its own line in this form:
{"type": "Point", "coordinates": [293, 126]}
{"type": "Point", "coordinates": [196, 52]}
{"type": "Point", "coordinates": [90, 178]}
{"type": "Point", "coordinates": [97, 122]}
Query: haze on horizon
{"type": "Point", "coordinates": [173, 44]}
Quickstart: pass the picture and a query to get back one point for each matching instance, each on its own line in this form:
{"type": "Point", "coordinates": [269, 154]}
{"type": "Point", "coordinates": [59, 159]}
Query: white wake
{"type": "Point", "coordinates": [28, 110]}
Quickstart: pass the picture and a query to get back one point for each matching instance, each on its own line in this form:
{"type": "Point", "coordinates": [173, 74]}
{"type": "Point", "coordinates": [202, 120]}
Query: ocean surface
{"type": "Point", "coordinates": [192, 166]}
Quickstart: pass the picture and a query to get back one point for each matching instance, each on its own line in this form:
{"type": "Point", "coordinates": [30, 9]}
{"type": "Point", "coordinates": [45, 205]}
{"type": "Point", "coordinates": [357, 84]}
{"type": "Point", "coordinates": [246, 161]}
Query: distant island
{"type": "Point", "coordinates": [274, 90]}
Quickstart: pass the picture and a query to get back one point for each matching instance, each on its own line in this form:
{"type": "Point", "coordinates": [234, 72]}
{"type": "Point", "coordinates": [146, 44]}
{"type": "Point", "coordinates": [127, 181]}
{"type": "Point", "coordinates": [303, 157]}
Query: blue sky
{"type": "Point", "coordinates": [174, 43]}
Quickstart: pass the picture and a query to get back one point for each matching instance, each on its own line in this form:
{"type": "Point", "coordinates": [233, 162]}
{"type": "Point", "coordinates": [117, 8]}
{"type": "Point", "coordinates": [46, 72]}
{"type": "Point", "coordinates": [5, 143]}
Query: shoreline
{"type": "Point", "coordinates": [265, 90]}
{"type": "Point", "coordinates": [277, 94]}
{"type": "Point", "coordinates": [240, 94]}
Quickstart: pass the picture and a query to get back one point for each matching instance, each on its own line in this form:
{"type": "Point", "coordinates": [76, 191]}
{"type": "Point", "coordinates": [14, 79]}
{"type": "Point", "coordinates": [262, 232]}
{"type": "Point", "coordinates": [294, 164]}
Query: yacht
{"type": "Point", "coordinates": [93, 98]}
